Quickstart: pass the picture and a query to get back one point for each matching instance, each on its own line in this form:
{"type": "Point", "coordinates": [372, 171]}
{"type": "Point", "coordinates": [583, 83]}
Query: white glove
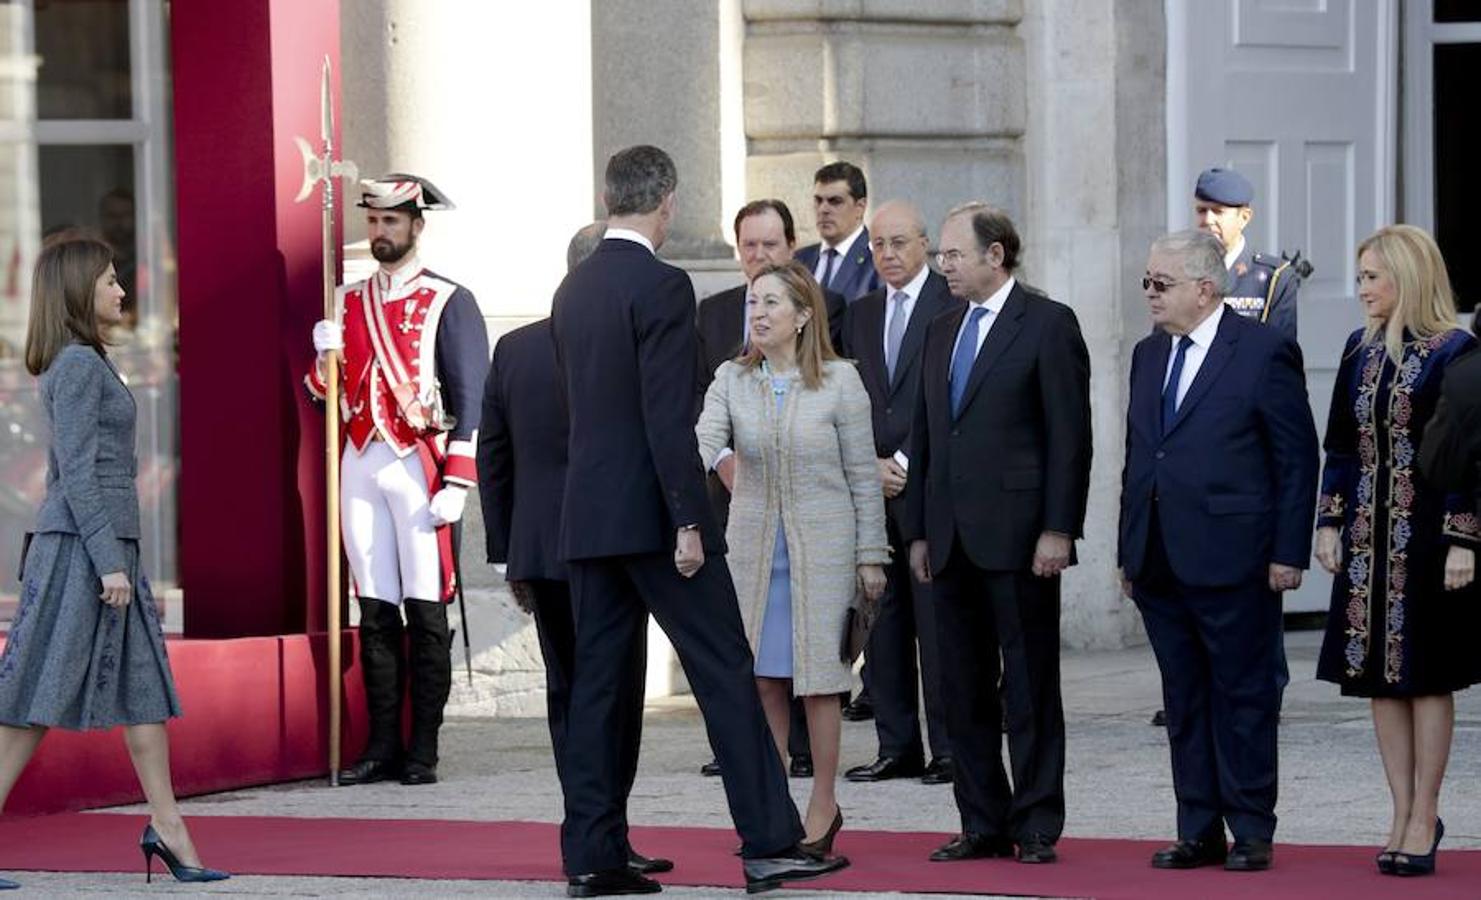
{"type": "Point", "coordinates": [447, 505]}
{"type": "Point", "coordinates": [328, 336]}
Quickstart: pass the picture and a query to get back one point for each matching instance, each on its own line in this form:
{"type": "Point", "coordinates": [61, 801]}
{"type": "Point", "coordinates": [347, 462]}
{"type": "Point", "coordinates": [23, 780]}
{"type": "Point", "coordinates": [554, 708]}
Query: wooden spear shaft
{"type": "Point", "coordinates": [331, 453]}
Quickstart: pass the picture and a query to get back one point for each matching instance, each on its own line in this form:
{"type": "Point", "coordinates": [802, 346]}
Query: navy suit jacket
{"type": "Point", "coordinates": [893, 399]}
{"type": "Point", "coordinates": [625, 338]}
{"type": "Point", "coordinates": [522, 455]}
{"type": "Point", "coordinates": [1233, 479]}
{"type": "Point", "coordinates": [855, 275]}
{"type": "Point", "coordinates": [1016, 461]}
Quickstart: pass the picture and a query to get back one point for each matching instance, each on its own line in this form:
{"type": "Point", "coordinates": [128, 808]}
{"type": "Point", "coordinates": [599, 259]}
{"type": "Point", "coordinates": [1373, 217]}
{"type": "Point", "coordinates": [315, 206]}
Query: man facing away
{"type": "Point", "coordinates": [995, 498]}
{"type": "Point", "coordinates": [885, 331]}
{"type": "Point", "coordinates": [1217, 504]}
{"type": "Point", "coordinates": [415, 355]}
{"type": "Point", "coordinates": [638, 537]}
{"type": "Point", "coordinates": [522, 468]}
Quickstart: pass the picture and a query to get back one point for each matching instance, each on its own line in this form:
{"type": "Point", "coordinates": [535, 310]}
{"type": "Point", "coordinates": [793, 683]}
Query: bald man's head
{"type": "Point", "coordinates": [584, 242]}
{"type": "Point", "coordinates": [898, 240]}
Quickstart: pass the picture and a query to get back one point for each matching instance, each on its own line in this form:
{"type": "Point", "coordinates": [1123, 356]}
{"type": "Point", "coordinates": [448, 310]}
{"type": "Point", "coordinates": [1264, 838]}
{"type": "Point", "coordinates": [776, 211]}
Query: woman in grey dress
{"type": "Point", "coordinates": [85, 649]}
{"type": "Point", "coordinates": [806, 528]}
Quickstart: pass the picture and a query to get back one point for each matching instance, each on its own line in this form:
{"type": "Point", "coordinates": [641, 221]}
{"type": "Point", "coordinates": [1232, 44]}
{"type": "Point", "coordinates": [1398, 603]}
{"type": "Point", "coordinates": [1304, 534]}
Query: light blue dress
{"type": "Point", "coordinates": [774, 647]}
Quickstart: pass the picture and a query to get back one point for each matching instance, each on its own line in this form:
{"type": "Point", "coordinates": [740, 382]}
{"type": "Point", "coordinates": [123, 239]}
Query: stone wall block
{"type": "Point", "coordinates": [956, 11]}
{"type": "Point", "coordinates": [883, 81]}
{"type": "Point", "coordinates": [934, 175]}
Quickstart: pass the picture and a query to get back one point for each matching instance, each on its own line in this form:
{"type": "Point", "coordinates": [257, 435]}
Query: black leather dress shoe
{"type": "Point", "coordinates": [938, 772]}
{"type": "Point", "coordinates": [860, 710]}
{"type": "Point", "coordinates": [974, 846]}
{"type": "Point", "coordinates": [1036, 849]}
{"type": "Point", "coordinates": [801, 766]}
{"type": "Point", "coordinates": [610, 883]}
{"type": "Point", "coordinates": [1249, 855]}
{"type": "Point", "coordinates": [1159, 719]}
{"type": "Point", "coordinates": [415, 773]}
{"type": "Point", "coordinates": [1206, 851]}
{"type": "Point", "coordinates": [369, 771]}
{"type": "Point", "coordinates": [648, 865]}
{"type": "Point", "coordinates": [710, 769]}
{"type": "Point", "coordinates": [771, 872]}
{"type": "Point", "coordinates": [885, 768]}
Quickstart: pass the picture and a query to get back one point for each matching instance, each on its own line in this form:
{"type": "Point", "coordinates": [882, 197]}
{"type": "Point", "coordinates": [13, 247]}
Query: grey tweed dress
{"type": "Point", "coordinates": [71, 661]}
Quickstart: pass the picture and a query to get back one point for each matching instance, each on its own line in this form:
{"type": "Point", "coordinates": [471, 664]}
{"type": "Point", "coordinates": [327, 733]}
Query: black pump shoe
{"type": "Point", "coordinates": [153, 846]}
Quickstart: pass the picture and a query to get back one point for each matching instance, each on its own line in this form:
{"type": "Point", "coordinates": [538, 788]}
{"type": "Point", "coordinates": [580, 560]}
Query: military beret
{"type": "Point", "coordinates": [1225, 187]}
{"type": "Point", "coordinates": [406, 193]}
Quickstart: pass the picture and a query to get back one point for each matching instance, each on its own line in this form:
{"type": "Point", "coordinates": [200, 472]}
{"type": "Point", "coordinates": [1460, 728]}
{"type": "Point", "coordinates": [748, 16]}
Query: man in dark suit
{"type": "Point", "coordinates": [1451, 453]}
{"type": "Point", "coordinates": [764, 236]}
{"type": "Point", "coordinates": [638, 537]}
{"type": "Point", "coordinates": [885, 331]}
{"type": "Point", "coordinates": [522, 469]}
{"type": "Point", "coordinates": [994, 501]}
{"type": "Point", "coordinates": [841, 262]}
{"type": "Point", "coordinates": [1217, 503]}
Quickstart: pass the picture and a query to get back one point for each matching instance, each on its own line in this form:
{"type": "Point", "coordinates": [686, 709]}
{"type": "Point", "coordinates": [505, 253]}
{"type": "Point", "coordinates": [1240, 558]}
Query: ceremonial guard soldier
{"type": "Point", "coordinates": [415, 357]}
{"type": "Point", "coordinates": [1262, 286]}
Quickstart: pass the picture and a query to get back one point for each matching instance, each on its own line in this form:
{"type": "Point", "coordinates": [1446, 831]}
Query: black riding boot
{"type": "Point", "coordinates": [382, 667]}
{"type": "Point", "coordinates": [431, 680]}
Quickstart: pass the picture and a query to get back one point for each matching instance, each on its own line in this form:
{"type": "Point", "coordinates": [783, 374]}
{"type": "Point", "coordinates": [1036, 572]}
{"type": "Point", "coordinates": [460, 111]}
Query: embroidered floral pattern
{"type": "Point", "coordinates": [1331, 506]}
{"type": "Point", "coordinates": [1360, 532]}
{"type": "Point", "coordinates": [17, 636]}
{"type": "Point", "coordinates": [1462, 525]}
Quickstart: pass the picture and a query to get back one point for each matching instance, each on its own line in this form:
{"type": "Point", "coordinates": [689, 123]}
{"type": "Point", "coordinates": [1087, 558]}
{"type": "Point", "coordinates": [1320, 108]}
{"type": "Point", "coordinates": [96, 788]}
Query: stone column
{"type": "Point", "coordinates": [1095, 164]}
{"type": "Point", "coordinates": [656, 72]}
{"type": "Point", "coordinates": [928, 99]}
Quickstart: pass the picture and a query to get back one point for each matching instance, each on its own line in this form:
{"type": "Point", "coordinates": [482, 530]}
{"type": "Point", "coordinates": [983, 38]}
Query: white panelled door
{"type": "Point", "coordinates": [1300, 96]}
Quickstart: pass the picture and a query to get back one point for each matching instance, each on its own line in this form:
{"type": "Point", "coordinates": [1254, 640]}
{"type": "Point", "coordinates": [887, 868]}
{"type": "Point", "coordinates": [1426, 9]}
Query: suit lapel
{"type": "Point", "coordinates": [735, 316]}
{"type": "Point", "coordinates": [1217, 358]}
{"type": "Point", "coordinates": [872, 353]}
{"type": "Point", "coordinates": [1148, 397]}
{"type": "Point", "coordinates": [930, 304]}
{"type": "Point", "coordinates": [1004, 330]}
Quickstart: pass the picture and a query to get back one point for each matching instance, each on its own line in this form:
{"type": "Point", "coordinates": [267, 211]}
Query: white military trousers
{"type": "Point", "coordinates": [389, 537]}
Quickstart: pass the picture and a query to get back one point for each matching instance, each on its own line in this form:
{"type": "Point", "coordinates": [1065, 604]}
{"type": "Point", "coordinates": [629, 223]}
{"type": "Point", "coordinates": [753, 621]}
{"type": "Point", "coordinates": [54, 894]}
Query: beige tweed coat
{"type": "Point", "coordinates": [812, 467]}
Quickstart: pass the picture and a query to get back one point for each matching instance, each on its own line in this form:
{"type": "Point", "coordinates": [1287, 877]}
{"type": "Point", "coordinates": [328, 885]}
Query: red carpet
{"type": "Point", "coordinates": [526, 851]}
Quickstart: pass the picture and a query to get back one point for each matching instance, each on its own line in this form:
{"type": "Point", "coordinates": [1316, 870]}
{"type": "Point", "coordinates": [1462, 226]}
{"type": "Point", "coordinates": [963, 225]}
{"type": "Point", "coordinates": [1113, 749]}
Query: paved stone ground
{"type": "Point", "coordinates": [1118, 781]}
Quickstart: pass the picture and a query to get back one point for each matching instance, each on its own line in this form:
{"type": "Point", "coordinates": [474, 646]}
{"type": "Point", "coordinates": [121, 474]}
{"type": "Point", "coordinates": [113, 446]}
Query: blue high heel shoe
{"type": "Point", "coordinates": [153, 846]}
{"type": "Point", "coordinates": [7, 885]}
{"type": "Point", "coordinates": [1406, 864]}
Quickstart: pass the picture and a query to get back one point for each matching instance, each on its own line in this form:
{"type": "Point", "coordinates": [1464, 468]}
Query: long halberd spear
{"type": "Point", "coordinates": [323, 170]}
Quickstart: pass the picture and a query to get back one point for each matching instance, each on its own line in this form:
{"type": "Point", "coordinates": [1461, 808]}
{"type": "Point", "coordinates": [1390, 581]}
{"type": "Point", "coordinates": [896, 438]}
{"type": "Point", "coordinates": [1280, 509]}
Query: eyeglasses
{"type": "Point", "coordinates": [895, 245]}
{"type": "Point", "coordinates": [950, 257]}
{"type": "Point", "coordinates": [1161, 286]}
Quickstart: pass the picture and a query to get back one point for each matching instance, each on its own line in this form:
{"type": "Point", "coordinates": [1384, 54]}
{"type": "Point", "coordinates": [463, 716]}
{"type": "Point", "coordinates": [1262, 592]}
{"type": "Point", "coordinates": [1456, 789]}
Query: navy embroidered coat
{"type": "Point", "coordinates": [1393, 630]}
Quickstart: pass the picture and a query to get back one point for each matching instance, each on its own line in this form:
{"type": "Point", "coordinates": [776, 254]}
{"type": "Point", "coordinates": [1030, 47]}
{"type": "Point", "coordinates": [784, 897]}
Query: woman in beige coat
{"type": "Point", "coordinates": [806, 524]}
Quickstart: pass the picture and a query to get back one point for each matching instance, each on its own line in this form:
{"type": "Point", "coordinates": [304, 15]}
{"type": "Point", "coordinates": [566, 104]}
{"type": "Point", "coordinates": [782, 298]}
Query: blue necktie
{"type": "Point", "coordinates": [962, 359]}
{"type": "Point", "coordinates": [1170, 390]}
{"type": "Point", "coordinates": [829, 269]}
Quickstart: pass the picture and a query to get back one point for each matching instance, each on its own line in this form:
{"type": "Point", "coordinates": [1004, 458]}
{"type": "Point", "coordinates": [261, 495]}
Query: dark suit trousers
{"type": "Point", "coordinates": [1222, 659]}
{"type": "Point", "coordinates": [612, 599]}
{"type": "Point", "coordinates": [980, 616]}
{"type": "Point", "coordinates": [902, 655]}
{"type": "Point", "coordinates": [556, 628]}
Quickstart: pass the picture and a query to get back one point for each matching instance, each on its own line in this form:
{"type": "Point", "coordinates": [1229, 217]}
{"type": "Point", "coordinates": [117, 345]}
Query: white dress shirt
{"type": "Point", "coordinates": [627, 234]}
{"type": "Point", "coordinates": [1233, 254]}
{"type": "Point", "coordinates": [994, 305]}
{"type": "Point", "coordinates": [912, 291]}
{"type": "Point", "coordinates": [843, 247]}
{"type": "Point", "coordinates": [1203, 338]}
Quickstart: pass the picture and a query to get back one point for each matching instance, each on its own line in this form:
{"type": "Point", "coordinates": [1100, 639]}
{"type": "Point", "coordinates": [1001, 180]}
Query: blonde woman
{"type": "Point", "coordinates": [1403, 551]}
{"type": "Point", "coordinates": [85, 649]}
{"type": "Point", "coordinates": [806, 525]}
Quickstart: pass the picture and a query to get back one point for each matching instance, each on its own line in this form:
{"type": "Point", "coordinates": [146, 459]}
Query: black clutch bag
{"type": "Point", "coordinates": [858, 622]}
